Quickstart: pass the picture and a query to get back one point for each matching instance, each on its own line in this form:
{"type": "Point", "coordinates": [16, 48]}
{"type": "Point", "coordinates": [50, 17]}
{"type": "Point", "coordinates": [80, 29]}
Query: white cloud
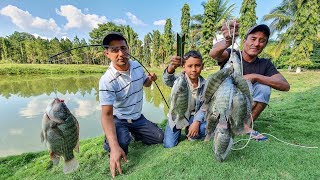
{"type": "Point", "coordinates": [120, 21]}
{"type": "Point", "coordinates": [86, 107]}
{"type": "Point", "coordinates": [76, 19]}
{"type": "Point", "coordinates": [34, 108]}
{"type": "Point", "coordinates": [15, 131]}
{"type": "Point", "coordinates": [159, 23]}
{"type": "Point", "coordinates": [42, 37]}
{"type": "Point", "coordinates": [25, 21]}
{"type": "Point", "coordinates": [135, 20]}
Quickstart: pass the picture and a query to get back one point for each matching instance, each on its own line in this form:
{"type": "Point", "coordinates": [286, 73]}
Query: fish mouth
{"type": "Point", "coordinates": [50, 108]}
{"type": "Point", "coordinates": [58, 100]}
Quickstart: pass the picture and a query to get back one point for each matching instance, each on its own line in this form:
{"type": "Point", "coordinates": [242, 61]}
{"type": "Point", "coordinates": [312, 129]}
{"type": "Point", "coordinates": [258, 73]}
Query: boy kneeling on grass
{"type": "Point", "coordinates": [196, 126]}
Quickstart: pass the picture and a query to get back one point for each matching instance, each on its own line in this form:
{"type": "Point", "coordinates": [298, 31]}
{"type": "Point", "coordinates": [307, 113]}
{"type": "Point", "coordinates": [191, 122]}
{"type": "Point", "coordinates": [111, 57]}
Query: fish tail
{"type": "Point", "coordinates": [209, 136]}
{"type": "Point", "coordinates": [70, 166]}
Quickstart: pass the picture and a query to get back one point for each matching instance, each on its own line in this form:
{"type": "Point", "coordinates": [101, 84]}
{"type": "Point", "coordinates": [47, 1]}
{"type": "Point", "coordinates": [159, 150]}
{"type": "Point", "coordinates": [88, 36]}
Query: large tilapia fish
{"type": "Point", "coordinates": [179, 100]}
{"type": "Point", "coordinates": [60, 132]}
{"type": "Point", "coordinates": [228, 101]}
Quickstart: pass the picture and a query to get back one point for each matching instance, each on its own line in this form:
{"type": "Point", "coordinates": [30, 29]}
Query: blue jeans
{"type": "Point", "coordinates": [171, 137]}
{"type": "Point", "coordinates": [141, 129]}
{"type": "Point", "coordinates": [260, 92]}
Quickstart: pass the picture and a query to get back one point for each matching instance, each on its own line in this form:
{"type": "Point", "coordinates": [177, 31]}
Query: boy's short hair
{"type": "Point", "coordinates": [192, 53]}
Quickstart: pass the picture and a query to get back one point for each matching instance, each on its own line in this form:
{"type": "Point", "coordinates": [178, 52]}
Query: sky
{"type": "Point", "coordinates": [70, 18]}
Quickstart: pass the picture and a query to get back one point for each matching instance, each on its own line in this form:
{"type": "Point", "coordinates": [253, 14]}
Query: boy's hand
{"type": "Point", "coordinates": [193, 129]}
{"type": "Point", "coordinates": [175, 62]}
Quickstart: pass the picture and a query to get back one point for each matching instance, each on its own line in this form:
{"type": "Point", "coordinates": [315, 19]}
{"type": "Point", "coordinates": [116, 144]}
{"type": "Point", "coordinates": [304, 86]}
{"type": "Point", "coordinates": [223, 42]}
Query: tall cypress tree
{"type": "Point", "coordinates": [185, 22]}
{"type": "Point", "coordinates": [248, 16]}
{"type": "Point", "coordinates": [156, 39]}
{"type": "Point", "coordinates": [304, 29]}
{"type": "Point", "coordinates": [168, 39]}
{"type": "Point", "coordinates": [215, 13]}
{"type": "Point", "coordinates": [147, 49]}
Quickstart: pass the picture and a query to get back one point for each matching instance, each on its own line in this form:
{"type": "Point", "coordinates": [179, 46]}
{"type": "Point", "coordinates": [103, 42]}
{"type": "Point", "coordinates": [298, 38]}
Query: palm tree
{"type": "Point", "coordinates": [282, 16]}
{"type": "Point", "coordinates": [282, 19]}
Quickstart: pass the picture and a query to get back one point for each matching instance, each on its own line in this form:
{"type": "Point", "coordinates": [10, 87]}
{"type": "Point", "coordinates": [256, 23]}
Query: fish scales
{"type": "Point", "coordinates": [213, 82]}
{"type": "Point", "coordinates": [231, 103]}
{"type": "Point", "coordinates": [179, 100]}
{"type": "Point", "coordinates": [222, 142]}
{"type": "Point", "coordinates": [60, 131]}
{"type": "Point", "coordinates": [238, 113]}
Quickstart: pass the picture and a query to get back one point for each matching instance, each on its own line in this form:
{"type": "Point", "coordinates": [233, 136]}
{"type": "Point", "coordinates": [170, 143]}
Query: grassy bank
{"type": "Point", "coordinates": [23, 69]}
{"type": "Point", "coordinates": [292, 116]}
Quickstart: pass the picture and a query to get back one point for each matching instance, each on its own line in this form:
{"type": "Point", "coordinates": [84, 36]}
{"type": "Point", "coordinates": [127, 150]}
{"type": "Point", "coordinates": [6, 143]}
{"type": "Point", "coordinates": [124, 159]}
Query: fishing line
{"type": "Point", "coordinates": [100, 45]}
{"type": "Point", "coordinates": [248, 140]}
{"type": "Point", "coordinates": [149, 73]}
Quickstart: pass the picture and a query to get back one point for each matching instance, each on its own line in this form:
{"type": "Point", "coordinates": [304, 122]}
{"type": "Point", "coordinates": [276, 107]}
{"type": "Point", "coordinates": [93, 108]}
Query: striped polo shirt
{"type": "Point", "coordinates": [123, 91]}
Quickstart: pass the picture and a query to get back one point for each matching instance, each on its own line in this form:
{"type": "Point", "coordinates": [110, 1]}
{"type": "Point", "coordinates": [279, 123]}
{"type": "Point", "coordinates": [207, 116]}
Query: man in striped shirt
{"type": "Point", "coordinates": [121, 98]}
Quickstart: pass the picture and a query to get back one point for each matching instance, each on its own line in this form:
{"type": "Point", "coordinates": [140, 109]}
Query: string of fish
{"type": "Point", "coordinates": [252, 122]}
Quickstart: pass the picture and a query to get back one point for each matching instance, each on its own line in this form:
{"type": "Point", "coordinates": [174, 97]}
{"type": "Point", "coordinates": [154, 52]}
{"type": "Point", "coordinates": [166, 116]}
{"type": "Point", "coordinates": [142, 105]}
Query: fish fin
{"type": "Point", "coordinates": [42, 136]}
{"type": "Point", "coordinates": [70, 166]}
{"type": "Point", "coordinates": [209, 136]}
{"type": "Point", "coordinates": [54, 158]}
{"type": "Point", "coordinates": [222, 157]}
{"type": "Point", "coordinates": [76, 148]}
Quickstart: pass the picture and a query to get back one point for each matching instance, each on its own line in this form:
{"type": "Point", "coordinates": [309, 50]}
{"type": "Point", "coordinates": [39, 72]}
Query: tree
{"type": "Point", "coordinates": [4, 49]}
{"type": "Point", "coordinates": [195, 31]}
{"type": "Point", "coordinates": [146, 60]}
{"type": "Point", "coordinates": [155, 56]}
{"type": "Point", "coordinates": [54, 48]}
{"type": "Point", "coordinates": [167, 40]}
{"type": "Point", "coordinates": [282, 18]}
{"type": "Point", "coordinates": [304, 31]}
{"type": "Point", "coordinates": [215, 13]}
{"type": "Point", "coordinates": [185, 22]}
{"type": "Point", "coordinates": [248, 17]}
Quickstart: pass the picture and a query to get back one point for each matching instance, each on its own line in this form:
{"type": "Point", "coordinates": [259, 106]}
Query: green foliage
{"type": "Point", "coordinates": [290, 116]}
{"type": "Point", "coordinates": [167, 41]}
{"type": "Point", "coordinates": [156, 45]}
{"type": "Point", "coordinates": [215, 13]}
{"type": "Point", "coordinates": [304, 29]}
{"type": "Point", "coordinates": [146, 59]}
{"type": "Point", "coordinates": [23, 69]}
{"type": "Point", "coordinates": [185, 23]}
{"type": "Point", "coordinates": [300, 21]}
{"type": "Point", "coordinates": [248, 16]}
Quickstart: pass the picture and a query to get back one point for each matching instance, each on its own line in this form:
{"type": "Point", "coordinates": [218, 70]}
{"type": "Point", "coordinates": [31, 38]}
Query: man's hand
{"type": "Point", "coordinates": [227, 32]}
{"type": "Point", "coordinates": [193, 130]}
{"type": "Point", "coordinates": [116, 154]}
{"type": "Point", "coordinates": [152, 77]}
{"type": "Point", "coordinates": [250, 77]}
{"type": "Point", "coordinates": [175, 61]}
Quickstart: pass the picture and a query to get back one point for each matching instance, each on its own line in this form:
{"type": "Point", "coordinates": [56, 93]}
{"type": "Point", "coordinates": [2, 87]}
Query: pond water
{"type": "Point", "coordinates": [24, 99]}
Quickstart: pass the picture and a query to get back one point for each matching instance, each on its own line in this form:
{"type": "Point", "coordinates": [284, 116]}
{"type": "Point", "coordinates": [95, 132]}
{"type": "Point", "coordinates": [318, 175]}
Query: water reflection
{"type": "Point", "coordinates": [24, 99]}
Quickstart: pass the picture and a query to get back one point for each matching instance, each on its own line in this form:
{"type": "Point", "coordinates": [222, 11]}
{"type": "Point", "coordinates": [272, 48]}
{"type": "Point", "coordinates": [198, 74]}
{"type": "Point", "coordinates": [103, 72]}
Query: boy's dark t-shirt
{"type": "Point", "coordinates": [260, 66]}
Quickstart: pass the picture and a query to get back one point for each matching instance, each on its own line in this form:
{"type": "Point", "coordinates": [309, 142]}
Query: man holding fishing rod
{"type": "Point", "coordinates": [121, 98]}
{"type": "Point", "coordinates": [262, 74]}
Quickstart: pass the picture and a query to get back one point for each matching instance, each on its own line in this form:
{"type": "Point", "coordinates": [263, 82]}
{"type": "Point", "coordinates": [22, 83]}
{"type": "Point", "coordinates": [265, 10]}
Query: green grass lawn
{"type": "Point", "coordinates": [292, 116]}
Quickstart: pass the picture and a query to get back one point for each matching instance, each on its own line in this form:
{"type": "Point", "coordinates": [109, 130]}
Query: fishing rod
{"type": "Point", "coordinates": [101, 45]}
{"type": "Point", "coordinates": [149, 73]}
